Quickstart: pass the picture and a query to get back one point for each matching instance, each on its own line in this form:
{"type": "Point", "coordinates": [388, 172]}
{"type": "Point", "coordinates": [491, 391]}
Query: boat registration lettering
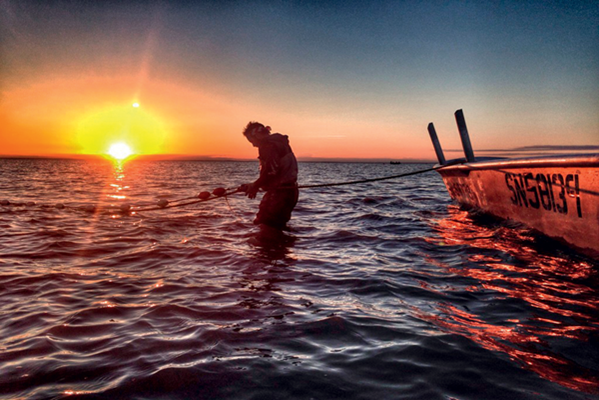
{"type": "Point", "coordinates": [462, 191]}
{"type": "Point", "coordinates": [549, 192]}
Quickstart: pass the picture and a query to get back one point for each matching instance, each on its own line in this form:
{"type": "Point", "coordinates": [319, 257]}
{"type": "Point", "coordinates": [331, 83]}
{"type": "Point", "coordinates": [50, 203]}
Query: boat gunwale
{"type": "Point", "coordinates": [553, 161]}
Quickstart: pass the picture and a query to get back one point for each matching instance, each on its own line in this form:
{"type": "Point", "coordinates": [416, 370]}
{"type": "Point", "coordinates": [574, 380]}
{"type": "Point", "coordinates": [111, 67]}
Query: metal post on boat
{"type": "Point", "coordinates": [459, 117]}
{"type": "Point", "coordinates": [436, 144]}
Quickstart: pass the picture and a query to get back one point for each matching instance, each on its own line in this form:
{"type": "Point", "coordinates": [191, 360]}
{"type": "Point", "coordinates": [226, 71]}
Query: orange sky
{"type": "Point", "coordinates": [340, 85]}
{"type": "Point", "coordinates": [64, 115]}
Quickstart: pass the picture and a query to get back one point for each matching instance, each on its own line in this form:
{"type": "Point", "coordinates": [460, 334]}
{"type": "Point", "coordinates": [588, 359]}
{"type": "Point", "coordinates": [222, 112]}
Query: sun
{"type": "Point", "coordinates": [143, 131]}
{"type": "Point", "coordinates": [119, 151]}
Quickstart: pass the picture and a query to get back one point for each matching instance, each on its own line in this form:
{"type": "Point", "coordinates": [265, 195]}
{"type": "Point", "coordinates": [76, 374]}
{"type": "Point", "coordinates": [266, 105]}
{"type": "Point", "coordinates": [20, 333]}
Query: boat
{"type": "Point", "coordinates": [556, 195]}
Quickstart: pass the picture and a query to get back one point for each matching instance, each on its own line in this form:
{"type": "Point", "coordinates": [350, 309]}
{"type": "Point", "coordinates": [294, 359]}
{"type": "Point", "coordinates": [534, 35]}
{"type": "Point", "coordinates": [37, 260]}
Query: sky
{"type": "Point", "coordinates": [344, 79]}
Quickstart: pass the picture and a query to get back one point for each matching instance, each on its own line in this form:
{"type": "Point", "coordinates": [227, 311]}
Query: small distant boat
{"type": "Point", "coordinates": [555, 195]}
{"type": "Point", "coordinates": [395, 162]}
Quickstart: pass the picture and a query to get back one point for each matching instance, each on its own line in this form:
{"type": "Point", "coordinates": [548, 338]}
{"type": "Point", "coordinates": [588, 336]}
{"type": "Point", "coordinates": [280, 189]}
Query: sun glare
{"type": "Point", "coordinates": [140, 130]}
{"type": "Point", "coordinates": [119, 151]}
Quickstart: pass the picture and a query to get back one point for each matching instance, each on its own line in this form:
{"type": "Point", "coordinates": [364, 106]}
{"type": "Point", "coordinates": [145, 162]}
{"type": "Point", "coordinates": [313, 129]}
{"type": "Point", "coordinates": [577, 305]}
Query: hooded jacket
{"type": "Point", "coordinates": [278, 165]}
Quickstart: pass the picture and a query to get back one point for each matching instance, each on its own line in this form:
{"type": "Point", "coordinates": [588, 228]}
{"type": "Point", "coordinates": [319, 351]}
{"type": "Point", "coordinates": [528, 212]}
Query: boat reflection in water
{"type": "Point", "coordinates": [546, 308]}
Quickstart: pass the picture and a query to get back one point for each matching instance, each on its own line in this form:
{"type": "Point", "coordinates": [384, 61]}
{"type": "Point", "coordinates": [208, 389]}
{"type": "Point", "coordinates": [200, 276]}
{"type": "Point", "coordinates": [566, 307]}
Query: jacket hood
{"type": "Point", "coordinates": [278, 138]}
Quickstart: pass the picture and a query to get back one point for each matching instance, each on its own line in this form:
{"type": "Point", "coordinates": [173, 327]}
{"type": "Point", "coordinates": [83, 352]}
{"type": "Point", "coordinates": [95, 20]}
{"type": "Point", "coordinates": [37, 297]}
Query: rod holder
{"type": "Point", "coordinates": [436, 144]}
{"type": "Point", "coordinates": [459, 117]}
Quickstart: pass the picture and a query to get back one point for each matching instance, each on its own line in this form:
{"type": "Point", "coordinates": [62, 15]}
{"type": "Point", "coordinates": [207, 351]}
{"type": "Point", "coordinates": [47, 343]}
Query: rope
{"type": "Point", "coordinates": [222, 192]}
{"type": "Point", "coordinates": [373, 179]}
{"type": "Point", "coordinates": [227, 193]}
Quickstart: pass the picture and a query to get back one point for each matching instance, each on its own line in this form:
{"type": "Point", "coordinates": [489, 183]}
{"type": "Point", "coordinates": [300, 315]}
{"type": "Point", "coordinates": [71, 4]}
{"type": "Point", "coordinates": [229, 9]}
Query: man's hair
{"type": "Point", "coordinates": [251, 126]}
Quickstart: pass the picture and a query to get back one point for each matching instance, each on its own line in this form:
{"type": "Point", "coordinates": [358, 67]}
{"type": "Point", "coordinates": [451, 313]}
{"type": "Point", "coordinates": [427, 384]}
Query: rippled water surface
{"type": "Point", "coordinates": [382, 290]}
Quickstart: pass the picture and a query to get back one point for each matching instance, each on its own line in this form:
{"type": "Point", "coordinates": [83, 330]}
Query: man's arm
{"type": "Point", "coordinates": [268, 169]}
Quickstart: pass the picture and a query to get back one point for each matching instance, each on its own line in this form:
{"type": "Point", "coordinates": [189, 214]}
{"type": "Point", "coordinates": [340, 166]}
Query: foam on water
{"type": "Point", "coordinates": [381, 290]}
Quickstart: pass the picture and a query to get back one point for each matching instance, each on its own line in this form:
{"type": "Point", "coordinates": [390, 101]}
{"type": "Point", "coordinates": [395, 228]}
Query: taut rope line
{"type": "Point", "coordinates": [218, 193]}
{"type": "Point", "coordinates": [228, 192]}
{"type": "Point", "coordinates": [371, 180]}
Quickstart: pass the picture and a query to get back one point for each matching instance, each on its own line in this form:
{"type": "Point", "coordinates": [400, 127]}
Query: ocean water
{"type": "Point", "coordinates": [383, 290]}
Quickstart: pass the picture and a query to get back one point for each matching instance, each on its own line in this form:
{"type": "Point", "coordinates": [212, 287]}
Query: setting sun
{"type": "Point", "coordinates": [141, 130]}
{"type": "Point", "coordinates": [119, 151]}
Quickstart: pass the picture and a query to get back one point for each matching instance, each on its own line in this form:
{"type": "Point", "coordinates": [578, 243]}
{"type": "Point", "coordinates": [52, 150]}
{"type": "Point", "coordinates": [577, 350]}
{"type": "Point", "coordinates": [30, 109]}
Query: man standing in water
{"type": "Point", "coordinates": [278, 176]}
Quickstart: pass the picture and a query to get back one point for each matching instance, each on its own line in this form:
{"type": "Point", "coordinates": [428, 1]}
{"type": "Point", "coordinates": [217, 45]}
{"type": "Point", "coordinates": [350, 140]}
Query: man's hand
{"type": "Point", "coordinates": [252, 190]}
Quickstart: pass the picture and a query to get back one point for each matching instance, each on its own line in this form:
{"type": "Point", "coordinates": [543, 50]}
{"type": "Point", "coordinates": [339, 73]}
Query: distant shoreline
{"type": "Point", "coordinates": [172, 157]}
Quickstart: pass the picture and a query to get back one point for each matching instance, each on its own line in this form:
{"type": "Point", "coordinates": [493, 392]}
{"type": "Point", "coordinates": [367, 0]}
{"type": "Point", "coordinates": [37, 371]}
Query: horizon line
{"type": "Point", "coordinates": [184, 157]}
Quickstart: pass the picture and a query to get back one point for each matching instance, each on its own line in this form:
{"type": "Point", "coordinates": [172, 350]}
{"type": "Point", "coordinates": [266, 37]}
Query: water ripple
{"type": "Point", "coordinates": [385, 290]}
